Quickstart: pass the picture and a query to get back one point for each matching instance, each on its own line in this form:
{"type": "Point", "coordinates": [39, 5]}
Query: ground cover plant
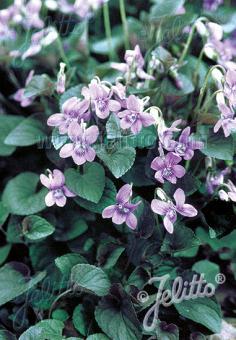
{"type": "Point", "coordinates": [118, 176]}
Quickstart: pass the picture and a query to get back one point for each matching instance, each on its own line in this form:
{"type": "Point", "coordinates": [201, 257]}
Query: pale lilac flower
{"type": "Point", "coordinates": [133, 66]}
{"type": "Point", "coordinates": [58, 192]}
{"type": "Point", "coordinates": [31, 14]}
{"type": "Point", "coordinates": [232, 191]}
{"type": "Point", "coordinates": [227, 120]}
{"type": "Point", "coordinates": [166, 134]}
{"type": "Point", "coordinates": [73, 110]}
{"type": "Point", "coordinates": [230, 86]}
{"type": "Point", "coordinates": [167, 167]}
{"type": "Point", "coordinates": [82, 8]}
{"type": "Point", "coordinates": [169, 210]}
{"type": "Point", "coordinates": [39, 40]}
{"type": "Point", "coordinates": [100, 96]}
{"type": "Point", "coordinates": [19, 95]}
{"type": "Point", "coordinates": [80, 149]}
{"type": "Point", "coordinates": [212, 5]}
{"type": "Point", "coordinates": [214, 180]}
{"type": "Point", "coordinates": [134, 117]}
{"type": "Point", "coordinates": [61, 79]}
{"type": "Point", "coordinates": [122, 211]}
{"type": "Point", "coordinates": [186, 145]}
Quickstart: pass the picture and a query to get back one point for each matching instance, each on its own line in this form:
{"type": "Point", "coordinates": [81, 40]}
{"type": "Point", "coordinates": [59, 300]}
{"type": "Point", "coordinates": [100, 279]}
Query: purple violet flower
{"type": "Point", "coordinates": [58, 192]}
{"type": "Point", "coordinates": [169, 210]}
{"type": "Point", "coordinates": [80, 150]}
{"type": "Point", "coordinates": [212, 5]}
{"type": "Point", "coordinates": [230, 86]}
{"type": "Point", "coordinates": [214, 180]}
{"type": "Point", "coordinates": [123, 210]}
{"type": "Point", "coordinates": [19, 95]}
{"type": "Point", "coordinates": [232, 191]}
{"type": "Point", "coordinates": [100, 95]}
{"type": "Point", "coordinates": [227, 120]}
{"type": "Point", "coordinates": [167, 167]}
{"type": "Point", "coordinates": [73, 110]}
{"type": "Point", "coordinates": [185, 146]}
{"type": "Point", "coordinates": [134, 117]}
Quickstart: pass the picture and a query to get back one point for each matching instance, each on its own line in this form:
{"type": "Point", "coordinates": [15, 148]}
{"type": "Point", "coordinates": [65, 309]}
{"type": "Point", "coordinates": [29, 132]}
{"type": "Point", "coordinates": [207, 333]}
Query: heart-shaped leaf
{"type": "Point", "coordinates": [19, 195]}
{"type": "Point", "coordinates": [36, 227]}
{"type": "Point", "coordinates": [119, 160]}
{"type": "Point", "coordinates": [91, 278]}
{"type": "Point", "coordinates": [89, 184]}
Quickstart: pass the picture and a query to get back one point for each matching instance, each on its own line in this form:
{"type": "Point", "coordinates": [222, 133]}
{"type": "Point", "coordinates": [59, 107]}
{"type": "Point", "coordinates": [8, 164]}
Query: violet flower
{"type": "Point", "coordinates": [134, 117]}
{"type": "Point", "coordinates": [214, 180]}
{"type": "Point", "coordinates": [232, 191]}
{"type": "Point", "coordinates": [58, 192]}
{"type": "Point", "coordinates": [61, 79]}
{"type": "Point", "coordinates": [19, 95]}
{"type": "Point", "coordinates": [230, 86]}
{"type": "Point", "coordinates": [227, 120]}
{"type": "Point", "coordinates": [166, 134]}
{"type": "Point", "coordinates": [167, 167]}
{"type": "Point", "coordinates": [212, 5]}
{"type": "Point", "coordinates": [123, 210]}
{"type": "Point", "coordinates": [100, 96]}
{"type": "Point", "coordinates": [185, 146]}
{"type": "Point", "coordinates": [73, 110]}
{"type": "Point", "coordinates": [169, 210]}
{"type": "Point", "coordinates": [80, 149]}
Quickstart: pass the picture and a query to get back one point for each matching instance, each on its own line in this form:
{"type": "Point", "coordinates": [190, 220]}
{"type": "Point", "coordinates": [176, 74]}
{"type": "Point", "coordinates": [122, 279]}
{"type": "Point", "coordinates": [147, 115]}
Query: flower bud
{"type": "Point", "coordinates": [61, 79]}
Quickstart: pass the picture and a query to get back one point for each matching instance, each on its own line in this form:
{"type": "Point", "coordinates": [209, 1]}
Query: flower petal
{"type": "Point", "coordinates": [159, 207]}
{"type": "Point", "coordinates": [179, 197]}
{"type": "Point", "coordinates": [108, 211]}
{"type": "Point", "coordinates": [114, 105]}
{"type": "Point", "coordinates": [124, 194]}
{"type": "Point", "coordinates": [131, 221]}
{"type": "Point", "coordinates": [136, 127]}
{"type": "Point", "coordinates": [67, 192]}
{"type": "Point", "coordinates": [74, 131]}
{"type": "Point", "coordinates": [118, 218]}
{"type": "Point", "coordinates": [168, 225]}
{"type": "Point", "coordinates": [179, 170]}
{"type": "Point", "coordinates": [56, 119]}
{"type": "Point", "coordinates": [184, 135]}
{"type": "Point", "coordinates": [45, 181]}
{"type": "Point", "coordinates": [157, 163]}
{"type": "Point", "coordinates": [58, 179]}
{"type": "Point", "coordinates": [78, 159]}
{"type": "Point", "coordinates": [91, 134]}
{"type": "Point", "coordinates": [66, 150]}
{"type": "Point", "coordinates": [49, 199]}
{"type": "Point", "coordinates": [147, 119]}
{"type": "Point", "coordinates": [187, 210]}
{"type": "Point", "coordinates": [90, 154]}
{"type": "Point", "coordinates": [60, 202]}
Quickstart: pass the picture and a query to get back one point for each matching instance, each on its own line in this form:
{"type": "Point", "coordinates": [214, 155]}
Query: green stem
{"type": "Point", "coordinates": [107, 25]}
{"type": "Point", "coordinates": [198, 66]}
{"type": "Point", "coordinates": [187, 45]}
{"type": "Point", "coordinates": [203, 89]}
{"type": "Point", "coordinates": [56, 300]}
{"type": "Point", "coordinates": [207, 103]}
{"type": "Point", "coordinates": [124, 23]}
{"type": "Point", "coordinates": [62, 52]}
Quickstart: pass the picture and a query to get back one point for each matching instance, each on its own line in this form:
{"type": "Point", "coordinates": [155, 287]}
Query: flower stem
{"type": "Point", "coordinates": [107, 25]}
{"type": "Point", "coordinates": [203, 89]}
{"type": "Point", "coordinates": [56, 300]}
{"type": "Point", "coordinates": [124, 23]}
{"type": "Point", "coordinates": [207, 103]}
{"type": "Point", "coordinates": [62, 52]}
{"type": "Point", "coordinates": [195, 75]}
{"type": "Point", "coordinates": [187, 45]}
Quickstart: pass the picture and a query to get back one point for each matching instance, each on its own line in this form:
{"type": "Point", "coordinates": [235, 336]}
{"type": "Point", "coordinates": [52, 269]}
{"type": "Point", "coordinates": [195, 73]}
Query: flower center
{"type": "Point", "coordinates": [73, 114]}
{"type": "Point", "coordinates": [58, 193]}
{"type": "Point", "coordinates": [180, 149]}
{"type": "Point", "coordinates": [80, 147]}
{"type": "Point", "coordinates": [133, 117]}
{"type": "Point", "coordinates": [171, 214]}
{"type": "Point", "coordinates": [167, 172]}
{"type": "Point", "coordinates": [123, 209]}
{"type": "Point", "coordinates": [102, 104]}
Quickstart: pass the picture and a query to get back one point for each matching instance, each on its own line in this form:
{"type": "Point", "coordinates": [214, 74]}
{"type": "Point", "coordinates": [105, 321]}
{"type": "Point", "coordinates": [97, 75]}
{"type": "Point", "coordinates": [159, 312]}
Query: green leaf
{"type": "Point", "coordinates": [216, 145]}
{"type": "Point", "coordinates": [45, 329]}
{"type": "Point", "coordinates": [13, 283]}
{"type": "Point", "coordinates": [5, 335]}
{"type": "Point", "coordinates": [146, 137]}
{"type": "Point", "coordinates": [20, 197]}
{"type": "Point", "coordinates": [74, 228]}
{"type": "Point", "coordinates": [118, 320]}
{"type": "Point", "coordinates": [40, 85]}
{"type": "Point", "coordinates": [90, 184]}
{"type": "Point", "coordinates": [29, 132]}
{"type": "Point", "coordinates": [66, 262]}
{"type": "Point", "coordinates": [164, 8]}
{"type": "Point", "coordinates": [97, 336]}
{"type": "Point", "coordinates": [36, 227]}
{"type": "Point", "coordinates": [137, 174]}
{"type": "Point", "coordinates": [90, 278]}
{"type": "Point", "coordinates": [119, 160]}
{"type": "Point", "coordinates": [4, 252]}
{"type": "Point", "coordinates": [79, 321]}
{"type": "Point", "coordinates": [108, 198]}
{"type": "Point", "coordinates": [7, 124]}
{"type": "Point", "coordinates": [202, 310]}
{"type": "Point", "coordinates": [60, 314]}
{"type": "Point", "coordinates": [208, 268]}
{"type": "Point", "coordinates": [168, 87]}
{"type": "Point", "coordinates": [113, 128]}
{"type": "Point", "coordinates": [58, 140]}
{"type": "Point", "coordinates": [4, 213]}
